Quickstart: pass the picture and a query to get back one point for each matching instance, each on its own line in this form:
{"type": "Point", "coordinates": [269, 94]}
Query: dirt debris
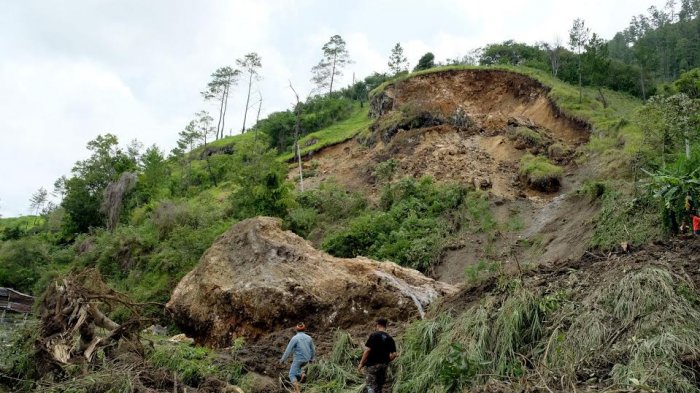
{"type": "Point", "coordinates": [454, 126]}
{"type": "Point", "coordinates": [257, 278]}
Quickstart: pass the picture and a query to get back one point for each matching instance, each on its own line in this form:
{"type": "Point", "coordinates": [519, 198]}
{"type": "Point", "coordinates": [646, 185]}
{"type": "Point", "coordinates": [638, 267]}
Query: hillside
{"type": "Point", "coordinates": [500, 181]}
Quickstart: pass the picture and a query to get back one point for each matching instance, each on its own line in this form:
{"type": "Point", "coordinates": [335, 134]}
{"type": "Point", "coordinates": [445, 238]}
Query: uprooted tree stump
{"type": "Point", "coordinates": [75, 330]}
{"type": "Point", "coordinates": [74, 326]}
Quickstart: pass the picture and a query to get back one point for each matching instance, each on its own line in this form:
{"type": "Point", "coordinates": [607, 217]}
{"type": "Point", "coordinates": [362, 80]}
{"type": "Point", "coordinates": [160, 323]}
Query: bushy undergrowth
{"type": "Point", "coordinates": [412, 224]}
{"type": "Point", "coordinates": [624, 219]}
{"type": "Point", "coordinates": [634, 332]}
{"type": "Point", "coordinates": [337, 373]}
{"type": "Point", "coordinates": [193, 365]}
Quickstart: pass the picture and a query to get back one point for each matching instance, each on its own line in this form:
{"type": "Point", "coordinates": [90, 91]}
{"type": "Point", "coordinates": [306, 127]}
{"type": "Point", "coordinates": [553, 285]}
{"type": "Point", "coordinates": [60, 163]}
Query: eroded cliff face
{"type": "Point", "coordinates": [258, 278]}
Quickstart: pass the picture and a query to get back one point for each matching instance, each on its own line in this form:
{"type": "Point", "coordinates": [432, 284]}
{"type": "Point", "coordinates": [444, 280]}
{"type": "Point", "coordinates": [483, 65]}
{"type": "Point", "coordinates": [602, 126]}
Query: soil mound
{"type": "Point", "coordinates": [257, 278]}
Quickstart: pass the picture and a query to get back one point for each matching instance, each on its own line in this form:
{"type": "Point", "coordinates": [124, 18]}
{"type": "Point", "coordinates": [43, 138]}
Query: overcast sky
{"type": "Point", "coordinates": [71, 70]}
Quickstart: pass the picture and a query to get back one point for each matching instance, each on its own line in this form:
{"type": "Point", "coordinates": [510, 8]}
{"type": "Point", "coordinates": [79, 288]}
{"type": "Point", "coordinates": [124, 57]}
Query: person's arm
{"type": "Point", "coordinates": [392, 351]}
{"type": "Point", "coordinates": [288, 351]}
{"type": "Point", "coordinates": [365, 355]}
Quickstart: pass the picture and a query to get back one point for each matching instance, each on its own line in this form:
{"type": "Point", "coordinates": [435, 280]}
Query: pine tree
{"type": "Point", "coordinates": [250, 64]}
{"type": "Point", "coordinates": [397, 61]}
{"type": "Point", "coordinates": [335, 58]}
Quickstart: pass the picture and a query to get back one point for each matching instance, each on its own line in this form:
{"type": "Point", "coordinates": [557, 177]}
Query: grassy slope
{"type": "Point", "coordinates": [23, 222]}
{"type": "Point", "coordinates": [333, 134]}
{"type": "Point", "coordinates": [336, 133]}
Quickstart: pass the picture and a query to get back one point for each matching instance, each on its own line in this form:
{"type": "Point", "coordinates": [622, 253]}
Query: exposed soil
{"type": "Point", "coordinates": [459, 132]}
{"type": "Point", "coordinates": [460, 128]}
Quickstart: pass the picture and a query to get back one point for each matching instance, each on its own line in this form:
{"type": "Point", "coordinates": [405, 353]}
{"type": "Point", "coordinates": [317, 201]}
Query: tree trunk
{"type": "Point", "coordinates": [221, 111]}
{"type": "Point", "coordinates": [223, 118]}
{"type": "Point", "coordinates": [211, 174]}
{"type": "Point", "coordinates": [247, 100]}
{"type": "Point", "coordinates": [332, 75]}
{"type": "Point", "coordinates": [641, 82]}
{"type": "Point", "coordinates": [580, 83]}
{"type": "Point", "coordinates": [602, 98]}
{"type": "Point", "coordinates": [301, 172]}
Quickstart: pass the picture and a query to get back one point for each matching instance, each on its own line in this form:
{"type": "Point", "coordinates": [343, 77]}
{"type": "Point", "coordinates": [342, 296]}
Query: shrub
{"type": "Point", "coordinates": [411, 228]}
{"type": "Point", "coordinates": [384, 171]}
{"type": "Point", "coordinates": [21, 262]}
{"type": "Point", "coordinates": [527, 137]}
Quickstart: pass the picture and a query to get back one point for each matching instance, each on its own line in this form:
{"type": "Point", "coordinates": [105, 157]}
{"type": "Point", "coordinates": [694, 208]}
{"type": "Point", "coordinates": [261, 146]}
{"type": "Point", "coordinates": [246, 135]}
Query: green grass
{"type": "Point", "coordinates": [194, 364]}
{"type": "Point", "coordinates": [623, 218]}
{"type": "Point", "coordinates": [334, 134]}
{"type": "Point", "coordinates": [529, 137]}
{"type": "Point", "coordinates": [22, 222]}
{"type": "Point", "coordinates": [539, 171]}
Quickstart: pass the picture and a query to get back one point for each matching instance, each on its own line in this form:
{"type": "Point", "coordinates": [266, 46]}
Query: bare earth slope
{"type": "Point", "coordinates": [473, 127]}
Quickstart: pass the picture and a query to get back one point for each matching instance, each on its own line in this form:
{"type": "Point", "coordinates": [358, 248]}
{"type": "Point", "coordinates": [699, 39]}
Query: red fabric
{"type": "Point", "coordinates": [696, 223]}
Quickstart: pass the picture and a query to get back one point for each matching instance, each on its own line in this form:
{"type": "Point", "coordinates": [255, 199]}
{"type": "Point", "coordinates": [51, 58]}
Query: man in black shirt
{"type": "Point", "coordinates": [380, 350]}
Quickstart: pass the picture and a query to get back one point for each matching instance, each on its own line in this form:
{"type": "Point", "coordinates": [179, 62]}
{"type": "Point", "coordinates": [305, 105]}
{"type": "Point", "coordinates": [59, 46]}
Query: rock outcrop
{"type": "Point", "coordinates": [257, 278]}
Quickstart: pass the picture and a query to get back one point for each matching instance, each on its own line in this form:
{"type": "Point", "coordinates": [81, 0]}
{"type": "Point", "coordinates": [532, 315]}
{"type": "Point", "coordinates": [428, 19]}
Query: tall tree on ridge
{"type": "Point", "coordinates": [250, 64]}
{"type": "Point", "coordinates": [218, 89]}
{"type": "Point", "coordinates": [397, 61]}
{"type": "Point", "coordinates": [38, 200]}
{"type": "Point", "coordinates": [335, 58]}
{"type": "Point", "coordinates": [578, 37]}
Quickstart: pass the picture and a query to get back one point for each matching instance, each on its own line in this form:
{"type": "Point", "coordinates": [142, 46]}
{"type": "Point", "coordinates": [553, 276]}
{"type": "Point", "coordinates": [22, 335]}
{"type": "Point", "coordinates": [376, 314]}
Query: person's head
{"type": "Point", "coordinates": [381, 323]}
{"type": "Point", "coordinates": [300, 327]}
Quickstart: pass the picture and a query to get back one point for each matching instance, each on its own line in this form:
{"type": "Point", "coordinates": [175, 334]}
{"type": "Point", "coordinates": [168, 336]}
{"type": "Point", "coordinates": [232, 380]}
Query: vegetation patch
{"type": "Point", "coordinates": [624, 218]}
{"type": "Point", "coordinates": [413, 223]}
{"type": "Point", "coordinates": [338, 132]}
{"type": "Point", "coordinates": [540, 173]}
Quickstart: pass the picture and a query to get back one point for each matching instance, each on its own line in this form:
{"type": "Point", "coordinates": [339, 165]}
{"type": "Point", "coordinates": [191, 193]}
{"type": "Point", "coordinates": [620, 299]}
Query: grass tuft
{"type": "Point", "coordinates": [540, 173]}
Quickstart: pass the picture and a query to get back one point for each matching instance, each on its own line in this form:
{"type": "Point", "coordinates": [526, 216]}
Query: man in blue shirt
{"type": "Point", "coordinates": [304, 352]}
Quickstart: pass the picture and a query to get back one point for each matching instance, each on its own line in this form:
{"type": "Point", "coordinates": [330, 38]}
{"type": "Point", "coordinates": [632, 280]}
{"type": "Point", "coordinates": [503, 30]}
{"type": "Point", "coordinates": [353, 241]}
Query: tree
{"type": "Point", "coordinates": [84, 190]}
{"type": "Point", "coordinates": [38, 200]}
{"type": "Point", "coordinates": [250, 64]}
{"type": "Point", "coordinates": [578, 37]}
{"type": "Point", "coordinates": [153, 174]}
{"type": "Point", "coordinates": [596, 64]}
{"type": "Point", "coordinates": [670, 122]}
{"type": "Point", "coordinates": [554, 51]}
{"type": "Point", "coordinates": [297, 131]}
{"type": "Point", "coordinates": [114, 195]}
{"type": "Point", "coordinates": [426, 61]}
{"type": "Point", "coordinates": [335, 58]}
{"type": "Point", "coordinates": [59, 187]}
{"type": "Point", "coordinates": [189, 136]}
{"type": "Point", "coordinates": [397, 61]}
{"type": "Point", "coordinates": [203, 126]}
{"type": "Point", "coordinates": [689, 83]}
{"type": "Point", "coordinates": [218, 89]}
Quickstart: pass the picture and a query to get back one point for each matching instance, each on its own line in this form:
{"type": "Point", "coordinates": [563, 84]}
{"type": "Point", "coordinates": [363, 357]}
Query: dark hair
{"type": "Point", "coordinates": [382, 322]}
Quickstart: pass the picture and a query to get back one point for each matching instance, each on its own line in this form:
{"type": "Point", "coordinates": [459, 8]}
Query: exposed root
{"type": "Point", "coordinates": [73, 327]}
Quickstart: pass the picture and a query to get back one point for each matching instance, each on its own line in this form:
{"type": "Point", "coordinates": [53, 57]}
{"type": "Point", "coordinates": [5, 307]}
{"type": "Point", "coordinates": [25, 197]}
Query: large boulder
{"type": "Point", "coordinates": [257, 278]}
